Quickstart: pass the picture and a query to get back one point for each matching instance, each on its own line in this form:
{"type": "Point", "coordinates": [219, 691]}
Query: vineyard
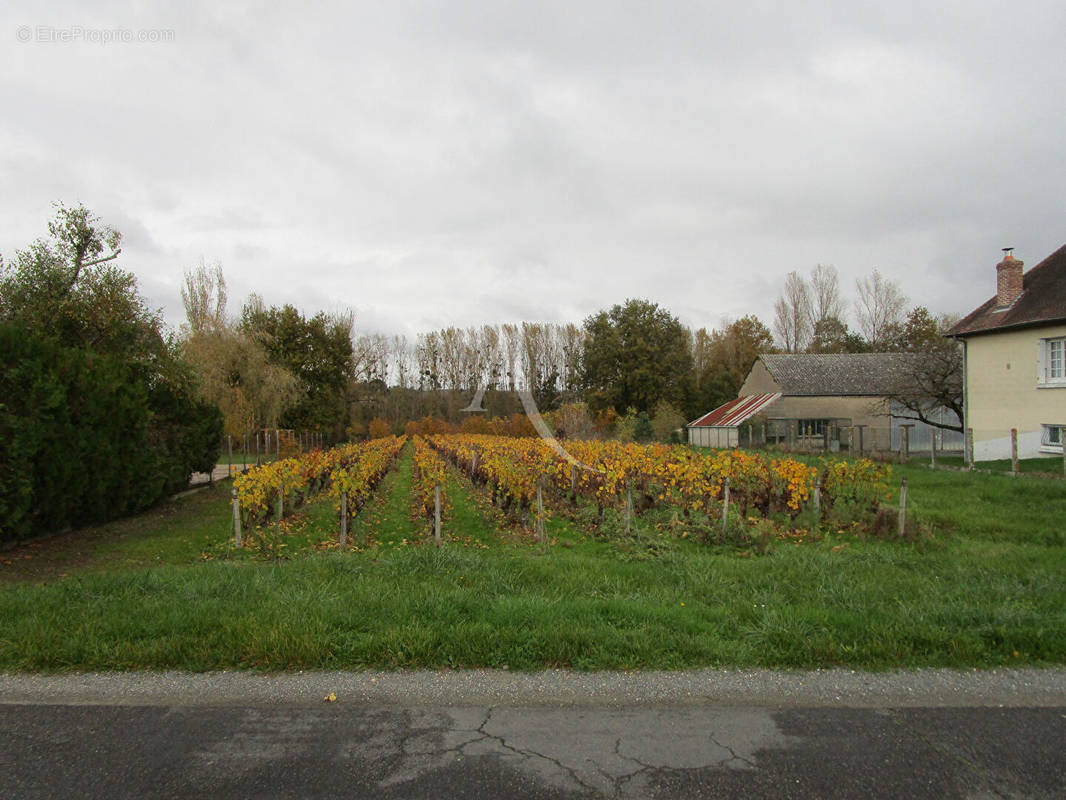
{"type": "Point", "coordinates": [351, 471]}
{"type": "Point", "coordinates": [604, 485]}
{"type": "Point", "coordinates": [620, 557]}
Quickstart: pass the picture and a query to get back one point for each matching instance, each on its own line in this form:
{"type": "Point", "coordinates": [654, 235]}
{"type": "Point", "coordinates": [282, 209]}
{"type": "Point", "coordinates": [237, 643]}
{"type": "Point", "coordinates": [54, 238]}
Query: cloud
{"type": "Point", "coordinates": [459, 163]}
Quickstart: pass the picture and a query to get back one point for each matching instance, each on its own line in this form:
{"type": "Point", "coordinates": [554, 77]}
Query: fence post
{"type": "Point", "coordinates": [932, 451]}
{"type": "Point", "coordinates": [969, 449]}
{"type": "Point", "coordinates": [725, 505]}
{"type": "Point", "coordinates": [573, 483]}
{"type": "Point", "coordinates": [540, 510]}
{"type": "Point", "coordinates": [257, 448]}
{"type": "Point", "coordinates": [1013, 451]}
{"type": "Point", "coordinates": [902, 506]}
{"type": "Point", "coordinates": [229, 445]}
{"type": "Point", "coordinates": [344, 518]}
{"type": "Point", "coordinates": [629, 507]}
{"type": "Point", "coordinates": [436, 514]}
{"type": "Point", "coordinates": [816, 499]}
{"type": "Point", "coordinates": [236, 519]}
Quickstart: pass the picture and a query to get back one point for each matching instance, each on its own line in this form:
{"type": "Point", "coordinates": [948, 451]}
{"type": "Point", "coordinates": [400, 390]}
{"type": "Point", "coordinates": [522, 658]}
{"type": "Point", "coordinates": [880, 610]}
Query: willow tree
{"type": "Point", "coordinates": [235, 371]}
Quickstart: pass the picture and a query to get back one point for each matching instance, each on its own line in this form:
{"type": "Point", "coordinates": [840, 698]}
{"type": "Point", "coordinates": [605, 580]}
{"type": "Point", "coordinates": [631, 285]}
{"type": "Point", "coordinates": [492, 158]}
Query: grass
{"type": "Point", "coordinates": [1051, 465]}
{"type": "Point", "coordinates": [167, 590]}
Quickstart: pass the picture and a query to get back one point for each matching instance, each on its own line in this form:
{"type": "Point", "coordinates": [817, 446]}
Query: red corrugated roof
{"type": "Point", "coordinates": [735, 411]}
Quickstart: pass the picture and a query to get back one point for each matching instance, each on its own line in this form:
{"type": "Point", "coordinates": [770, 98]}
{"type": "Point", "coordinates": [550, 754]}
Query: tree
{"type": "Point", "coordinates": [378, 428]}
{"type": "Point", "coordinates": [204, 296]}
{"type": "Point", "coordinates": [643, 431]}
{"type": "Point", "coordinates": [792, 314]}
{"type": "Point", "coordinates": [722, 360]}
{"type": "Point", "coordinates": [879, 309]}
{"type": "Point", "coordinates": [97, 410]}
{"type": "Point", "coordinates": [933, 377]}
{"type": "Point", "coordinates": [635, 355]}
{"type": "Point", "coordinates": [932, 380]}
{"type": "Point", "coordinates": [234, 371]}
{"type": "Point", "coordinates": [317, 351]}
{"type": "Point", "coordinates": [666, 420]}
{"type": "Point", "coordinates": [66, 285]}
{"type": "Point", "coordinates": [734, 349]}
{"type": "Point", "coordinates": [831, 335]}
{"type": "Point", "coordinates": [921, 331]}
{"type": "Point", "coordinates": [825, 295]}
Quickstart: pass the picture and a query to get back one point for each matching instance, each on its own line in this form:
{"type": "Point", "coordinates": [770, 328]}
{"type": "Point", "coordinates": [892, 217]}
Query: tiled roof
{"type": "Point", "coordinates": [862, 374]}
{"type": "Point", "coordinates": [1043, 300]}
{"type": "Point", "coordinates": [735, 411]}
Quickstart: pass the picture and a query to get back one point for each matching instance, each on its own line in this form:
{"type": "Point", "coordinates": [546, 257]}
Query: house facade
{"type": "Point", "coordinates": [1015, 357]}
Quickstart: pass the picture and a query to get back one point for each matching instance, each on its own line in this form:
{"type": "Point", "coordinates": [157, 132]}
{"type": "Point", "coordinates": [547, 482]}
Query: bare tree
{"type": "Point", "coordinates": [490, 344]}
{"type": "Point", "coordinates": [931, 381]}
{"type": "Point", "coordinates": [204, 297]}
{"type": "Point", "coordinates": [879, 308]}
{"type": "Point", "coordinates": [512, 346]}
{"type": "Point", "coordinates": [401, 358]}
{"type": "Point", "coordinates": [792, 314]}
{"type": "Point", "coordinates": [825, 295]}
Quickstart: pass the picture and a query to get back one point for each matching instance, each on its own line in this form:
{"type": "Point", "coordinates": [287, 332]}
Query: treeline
{"type": "Point", "coordinates": [99, 415]}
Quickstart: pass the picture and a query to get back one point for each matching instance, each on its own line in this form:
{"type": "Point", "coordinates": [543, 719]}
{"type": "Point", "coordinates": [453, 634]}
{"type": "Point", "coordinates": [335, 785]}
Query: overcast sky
{"type": "Point", "coordinates": [455, 163]}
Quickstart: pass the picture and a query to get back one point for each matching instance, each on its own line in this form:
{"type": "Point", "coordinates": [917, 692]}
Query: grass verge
{"type": "Point", "coordinates": [986, 590]}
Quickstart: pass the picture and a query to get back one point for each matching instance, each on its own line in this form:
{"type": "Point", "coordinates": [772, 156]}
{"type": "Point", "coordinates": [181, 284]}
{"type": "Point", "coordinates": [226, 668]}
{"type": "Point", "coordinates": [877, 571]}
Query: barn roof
{"type": "Point", "coordinates": [1043, 301]}
{"type": "Point", "coordinates": [735, 412]}
{"type": "Point", "coordinates": [860, 374]}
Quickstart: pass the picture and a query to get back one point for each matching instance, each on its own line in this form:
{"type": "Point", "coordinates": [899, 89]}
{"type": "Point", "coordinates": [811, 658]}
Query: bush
{"type": "Point", "coordinates": [642, 430]}
{"type": "Point", "coordinates": [666, 421]}
{"type": "Point", "coordinates": [88, 437]}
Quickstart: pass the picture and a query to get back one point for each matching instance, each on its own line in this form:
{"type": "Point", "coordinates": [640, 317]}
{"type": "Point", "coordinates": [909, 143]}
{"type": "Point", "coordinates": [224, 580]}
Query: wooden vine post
{"type": "Point", "coordinates": [436, 514]}
{"type": "Point", "coordinates": [903, 507]}
{"type": "Point", "coordinates": [540, 510]}
{"type": "Point", "coordinates": [725, 506]}
{"type": "Point", "coordinates": [905, 446]}
{"type": "Point", "coordinates": [344, 518]}
{"type": "Point", "coordinates": [629, 507]}
{"type": "Point", "coordinates": [1014, 451]}
{"type": "Point", "coordinates": [236, 519]}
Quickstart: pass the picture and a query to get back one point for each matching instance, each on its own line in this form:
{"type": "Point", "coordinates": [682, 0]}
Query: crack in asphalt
{"type": "Point", "coordinates": [528, 753]}
{"type": "Point", "coordinates": [731, 752]}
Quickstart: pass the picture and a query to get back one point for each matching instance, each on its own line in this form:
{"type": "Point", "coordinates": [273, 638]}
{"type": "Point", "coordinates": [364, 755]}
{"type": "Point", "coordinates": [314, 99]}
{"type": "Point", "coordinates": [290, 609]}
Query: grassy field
{"type": "Point", "coordinates": [981, 586]}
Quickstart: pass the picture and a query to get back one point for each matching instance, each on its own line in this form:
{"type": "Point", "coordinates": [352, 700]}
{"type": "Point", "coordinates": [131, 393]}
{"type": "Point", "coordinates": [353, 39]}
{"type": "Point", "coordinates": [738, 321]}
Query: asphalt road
{"type": "Point", "coordinates": [728, 734]}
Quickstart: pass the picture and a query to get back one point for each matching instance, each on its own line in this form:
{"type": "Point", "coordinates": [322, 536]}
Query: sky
{"type": "Point", "coordinates": [460, 163]}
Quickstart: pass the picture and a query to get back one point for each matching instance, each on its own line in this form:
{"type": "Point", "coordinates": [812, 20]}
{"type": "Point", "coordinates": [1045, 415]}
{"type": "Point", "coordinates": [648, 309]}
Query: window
{"type": "Point", "coordinates": [812, 427]}
{"type": "Point", "coordinates": [1051, 441]}
{"type": "Point", "coordinates": [1053, 358]}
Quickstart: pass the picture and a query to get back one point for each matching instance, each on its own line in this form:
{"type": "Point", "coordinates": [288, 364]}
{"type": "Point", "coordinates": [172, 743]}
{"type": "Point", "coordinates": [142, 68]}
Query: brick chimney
{"type": "Point", "coordinates": [1008, 279]}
